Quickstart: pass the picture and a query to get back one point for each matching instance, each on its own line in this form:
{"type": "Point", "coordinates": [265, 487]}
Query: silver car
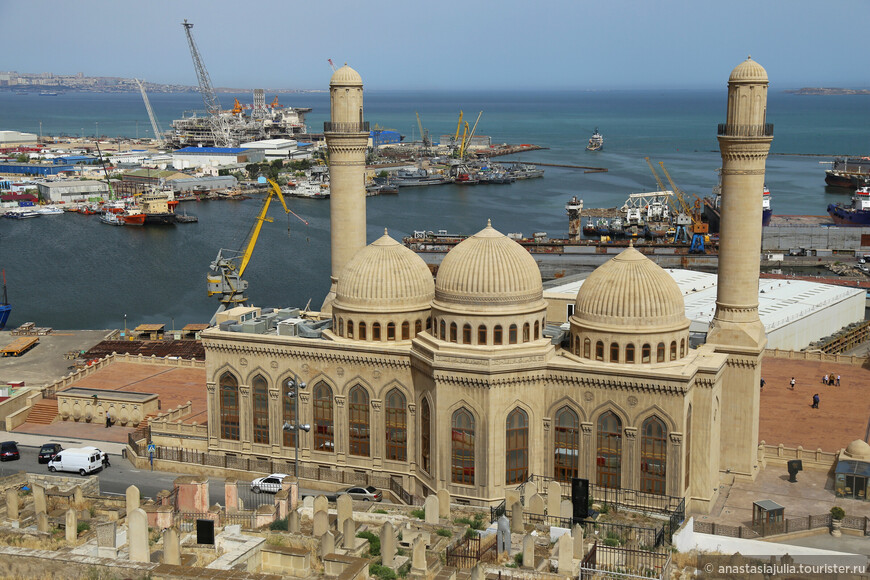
{"type": "Point", "coordinates": [268, 484]}
{"type": "Point", "coordinates": [360, 493]}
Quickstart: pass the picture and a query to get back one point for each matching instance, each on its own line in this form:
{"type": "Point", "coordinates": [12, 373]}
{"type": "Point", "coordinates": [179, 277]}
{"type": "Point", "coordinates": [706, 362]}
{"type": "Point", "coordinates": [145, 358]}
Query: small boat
{"type": "Point", "coordinates": [111, 219]}
{"type": "Point", "coordinates": [50, 211]}
{"type": "Point", "coordinates": [22, 215]}
{"type": "Point", "coordinates": [617, 229]}
{"type": "Point", "coordinates": [5, 307]}
{"type": "Point", "coordinates": [183, 218]}
{"type": "Point", "coordinates": [466, 179]}
{"type": "Point", "coordinates": [415, 177]}
{"type": "Point", "coordinates": [132, 217]}
{"type": "Point", "coordinates": [524, 171]}
{"type": "Point", "coordinates": [602, 227]}
{"type": "Point", "coordinates": [858, 214]}
{"type": "Point", "coordinates": [589, 229]}
{"type": "Point", "coordinates": [48, 93]}
{"type": "Point", "coordinates": [596, 142]}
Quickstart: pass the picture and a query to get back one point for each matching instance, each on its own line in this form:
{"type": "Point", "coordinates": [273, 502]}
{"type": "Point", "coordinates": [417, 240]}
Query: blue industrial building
{"type": "Point", "coordinates": [31, 169]}
{"type": "Point", "coordinates": [384, 137]}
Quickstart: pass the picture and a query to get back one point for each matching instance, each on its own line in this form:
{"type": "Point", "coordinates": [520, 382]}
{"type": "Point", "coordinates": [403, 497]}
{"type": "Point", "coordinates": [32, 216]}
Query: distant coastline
{"type": "Point", "coordinates": [827, 91]}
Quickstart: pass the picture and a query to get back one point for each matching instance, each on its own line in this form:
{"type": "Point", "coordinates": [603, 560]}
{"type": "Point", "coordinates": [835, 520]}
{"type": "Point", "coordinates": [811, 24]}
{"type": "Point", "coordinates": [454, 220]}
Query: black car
{"type": "Point", "coordinates": [9, 451]}
{"type": "Point", "coordinates": [48, 451]}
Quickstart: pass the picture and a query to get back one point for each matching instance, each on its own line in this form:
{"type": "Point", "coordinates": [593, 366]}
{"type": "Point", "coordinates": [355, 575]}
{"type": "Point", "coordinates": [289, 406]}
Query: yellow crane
{"type": "Point", "coordinates": [424, 135]}
{"type": "Point", "coordinates": [466, 143]}
{"type": "Point", "coordinates": [225, 278]}
{"type": "Point", "coordinates": [700, 229]}
{"type": "Point", "coordinates": [458, 126]}
{"type": "Point", "coordinates": [656, 175]}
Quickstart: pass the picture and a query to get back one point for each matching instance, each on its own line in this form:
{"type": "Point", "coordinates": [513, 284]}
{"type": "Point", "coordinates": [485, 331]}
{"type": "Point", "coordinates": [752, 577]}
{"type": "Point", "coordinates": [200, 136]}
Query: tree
{"type": "Point", "coordinates": [253, 170]}
{"type": "Point", "coordinates": [22, 158]}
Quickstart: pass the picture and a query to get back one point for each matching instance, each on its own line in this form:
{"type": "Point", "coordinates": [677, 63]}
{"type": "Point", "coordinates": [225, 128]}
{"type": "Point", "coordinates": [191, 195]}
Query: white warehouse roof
{"type": "Point", "coordinates": [794, 312]}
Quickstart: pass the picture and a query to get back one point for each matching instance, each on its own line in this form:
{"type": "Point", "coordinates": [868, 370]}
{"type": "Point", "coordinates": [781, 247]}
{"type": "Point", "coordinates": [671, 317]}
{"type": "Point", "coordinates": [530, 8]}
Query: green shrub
{"type": "Point", "coordinates": [83, 527]}
{"type": "Point", "coordinates": [374, 542]}
{"type": "Point", "coordinates": [475, 524]}
{"type": "Point", "coordinates": [611, 542]}
{"type": "Point", "coordinates": [604, 509]}
{"type": "Point", "coordinates": [279, 525]}
{"type": "Point", "coordinates": [518, 558]}
{"type": "Point", "coordinates": [382, 572]}
{"type": "Point", "coordinates": [419, 514]}
{"type": "Point", "coordinates": [405, 568]}
{"type": "Point", "coordinates": [444, 533]}
{"type": "Point", "coordinates": [379, 511]}
{"type": "Point", "coordinates": [469, 533]}
{"type": "Point", "coordinates": [838, 513]}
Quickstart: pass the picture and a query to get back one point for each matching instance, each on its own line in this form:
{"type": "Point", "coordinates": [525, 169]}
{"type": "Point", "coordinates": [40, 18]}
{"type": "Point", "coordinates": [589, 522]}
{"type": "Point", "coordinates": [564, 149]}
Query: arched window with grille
{"type": "Point", "coordinates": [391, 331]}
{"type": "Point", "coordinates": [289, 414]}
{"type": "Point", "coordinates": [512, 334]}
{"type": "Point", "coordinates": [229, 404]}
{"type": "Point", "coordinates": [350, 328]}
{"type": "Point", "coordinates": [517, 447]}
{"type": "Point", "coordinates": [358, 421]}
{"type": "Point", "coordinates": [260, 409]}
{"type": "Point", "coordinates": [406, 330]}
{"type": "Point", "coordinates": [362, 331]}
{"type": "Point", "coordinates": [324, 432]}
{"type": "Point", "coordinates": [614, 352]}
{"type": "Point", "coordinates": [418, 327]}
{"type": "Point", "coordinates": [481, 334]}
{"type": "Point", "coordinates": [396, 426]}
{"type": "Point", "coordinates": [526, 332]}
{"type": "Point", "coordinates": [452, 332]}
{"type": "Point", "coordinates": [341, 327]}
{"type": "Point", "coordinates": [496, 334]}
{"type": "Point", "coordinates": [462, 452]}
{"type": "Point", "coordinates": [466, 333]}
{"type": "Point", "coordinates": [629, 353]}
{"type": "Point", "coordinates": [443, 326]}
{"type": "Point", "coordinates": [567, 445]}
{"type": "Point", "coordinates": [653, 456]}
{"type": "Point", "coordinates": [609, 457]}
{"type": "Point", "coordinates": [682, 347]}
{"type": "Point", "coordinates": [645, 354]}
{"type": "Point", "coordinates": [599, 350]}
{"type": "Point", "coordinates": [537, 331]}
{"type": "Point", "coordinates": [674, 350]}
{"type": "Point", "coordinates": [587, 346]}
{"type": "Point", "coordinates": [425, 436]}
{"type": "Point", "coordinates": [376, 331]}
{"type": "Point", "coordinates": [660, 352]}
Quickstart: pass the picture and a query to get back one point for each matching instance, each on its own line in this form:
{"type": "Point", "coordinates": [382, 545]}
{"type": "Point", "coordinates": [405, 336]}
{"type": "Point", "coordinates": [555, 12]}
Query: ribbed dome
{"type": "Point", "coordinates": [488, 269]}
{"type": "Point", "coordinates": [630, 291]}
{"type": "Point", "coordinates": [858, 449]}
{"type": "Point", "coordinates": [748, 71]}
{"type": "Point", "coordinates": [345, 76]}
{"type": "Point", "coordinates": [384, 276]}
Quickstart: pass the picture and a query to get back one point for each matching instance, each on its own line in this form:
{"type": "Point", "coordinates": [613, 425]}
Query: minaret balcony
{"type": "Point", "coordinates": [763, 130]}
{"type": "Point", "coordinates": [361, 127]}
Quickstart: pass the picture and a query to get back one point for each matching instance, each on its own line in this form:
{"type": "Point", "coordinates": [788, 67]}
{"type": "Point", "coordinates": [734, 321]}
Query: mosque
{"type": "Point", "coordinates": [451, 383]}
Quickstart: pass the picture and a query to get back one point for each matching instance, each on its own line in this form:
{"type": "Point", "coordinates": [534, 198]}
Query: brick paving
{"type": "Point", "coordinates": [786, 416]}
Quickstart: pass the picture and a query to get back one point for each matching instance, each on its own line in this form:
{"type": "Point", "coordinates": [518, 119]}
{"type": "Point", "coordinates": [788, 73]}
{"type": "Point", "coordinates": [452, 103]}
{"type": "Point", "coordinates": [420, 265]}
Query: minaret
{"type": "Point", "coordinates": [347, 136]}
{"type": "Point", "coordinates": [744, 141]}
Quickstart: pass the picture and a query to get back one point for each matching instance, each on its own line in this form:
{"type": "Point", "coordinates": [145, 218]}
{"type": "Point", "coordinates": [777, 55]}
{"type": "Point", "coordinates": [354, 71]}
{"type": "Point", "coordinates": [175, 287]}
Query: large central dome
{"type": "Point", "coordinates": [630, 290]}
{"type": "Point", "coordinates": [489, 270]}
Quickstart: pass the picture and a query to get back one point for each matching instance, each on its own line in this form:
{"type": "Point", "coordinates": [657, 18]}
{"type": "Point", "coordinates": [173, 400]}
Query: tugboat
{"type": "Point", "coordinates": [596, 142]}
{"type": "Point", "coordinates": [766, 212]}
{"type": "Point", "coordinates": [856, 215]}
{"type": "Point", "coordinates": [5, 307]}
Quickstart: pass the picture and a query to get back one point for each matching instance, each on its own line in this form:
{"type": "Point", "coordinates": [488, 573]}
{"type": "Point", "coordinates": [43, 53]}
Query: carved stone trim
{"type": "Point", "coordinates": [339, 400]}
{"type": "Point", "coordinates": [546, 423]}
{"type": "Point", "coordinates": [211, 386]}
{"type": "Point", "coordinates": [631, 433]}
{"type": "Point", "coordinates": [376, 404]}
{"type": "Point", "coordinates": [586, 428]}
{"type": "Point", "coordinates": [676, 439]}
{"type": "Point", "coordinates": [303, 397]}
{"type": "Point", "coordinates": [273, 394]}
{"type": "Point", "coordinates": [244, 390]}
{"type": "Point", "coordinates": [412, 408]}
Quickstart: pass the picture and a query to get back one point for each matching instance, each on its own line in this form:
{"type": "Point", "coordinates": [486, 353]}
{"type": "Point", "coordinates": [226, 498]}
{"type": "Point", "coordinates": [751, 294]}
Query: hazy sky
{"type": "Point", "coordinates": [396, 44]}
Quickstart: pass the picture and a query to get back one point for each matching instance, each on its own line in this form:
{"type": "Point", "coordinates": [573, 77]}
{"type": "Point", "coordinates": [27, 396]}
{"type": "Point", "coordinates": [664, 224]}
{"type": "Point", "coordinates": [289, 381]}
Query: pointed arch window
{"type": "Point", "coordinates": [443, 326]}
{"type": "Point", "coordinates": [260, 409]}
{"type": "Point", "coordinates": [341, 327]}
{"type": "Point", "coordinates": [396, 426]}
{"type": "Point", "coordinates": [629, 353]}
{"type": "Point", "coordinates": [496, 334]}
{"type": "Point", "coordinates": [418, 327]}
{"type": "Point", "coordinates": [289, 413]}
{"type": "Point", "coordinates": [614, 352]}
{"type": "Point", "coordinates": [537, 330]}
{"type": "Point", "coordinates": [526, 332]}
{"type": "Point", "coordinates": [452, 332]}
{"type": "Point", "coordinates": [512, 334]}
{"type": "Point", "coordinates": [682, 347]}
{"type": "Point", "coordinates": [362, 331]}
{"type": "Point", "coordinates": [674, 350]}
{"type": "Point", "coordinates": [229, 407]}
{"type": "Point", "coordinates": [517, 447]}
{"type": "Point", "coordinates": [587, 346]}
{"type": "Point", "coordinates": [466, 334]}
{"type": "Point", "coordinates": [358, 421]}
{"type": "Point", "coordinates": [406, 330]}
{"type": "Point", "coordinates": [324, 424]}
{"type": "Point", "coordinates": [599, 350]}
{"type": "Point", "coordinates": [462, 453]}
{"type": "Point", "coordinates": [660, 352]}
{"type": "Point", "coordinates": [567, 445]}
{"type": "Point", "coordinates": [653, 456]}
{"type": "Point", "coordinates": [609, 456]}
{"type": "Point", "coordinates": [350, 328]}
{"type": "Point", "coordinates": [391, 330]}
{"type": "Point", "coordinates": [376, 331]}
{"type": "Point", "coordinates": [481, 334]}
{"type": "Point", "coordinates": [425, 436]}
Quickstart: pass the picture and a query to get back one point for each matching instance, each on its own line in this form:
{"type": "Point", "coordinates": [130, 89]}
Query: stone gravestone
{"type": "Point", "coordinates": [12, 504]}
{"type": "Point", "coordinates": [308, 502]}
{"type": "Point", "coordinates": [566, 554]}
{"type": "Point", "coordinates": [535, 505]}
{"type": "Point", "coordinates": [528, 551]}
{"type": "Point", "coordinates": [72, 525]}
{"type": "Point", "coordinates": [554, 498]}
{"type": "Point", "coordinates": [503, 536]}
{"type": "Point", "coordinates": [477, 572]}
{"type": "Point", "coordinates": [344, 505]}
{"type": "Point", "coordinates": [78, 495]}
{"type": "Point", "coordinates": [444, 504]}
{"type": "Point", "coordinates": [321, 504]}
{"type": "Point", "coordinates": [171, 547]}
{"type": "Point", "coordinates": [293, 521]}
{"type": "Point", "coordinates": [577, 533]}
{"type": "Point", "coordinates": [39, 505]}
{"type": "Point", "coordinates": [349, 529]}
{"type": "Point", "coordinates": [133, 498]}
{"type": "Point", "coordinates": [511, 496]}
{"type": "Point", "coordinates": [42, 522]}
{"type": "Point", "coordinates": [418, 561]}
{"type": "Point", "coordinates": [321, 524]}
{"type": "Point", "coordinates": [388, 544]}
{"type": "Point", "coordinates": [327, 544]}
{"type": "Point", "coordinates": [567, 509]}
{"type": "Point", "coordinates": [137, 535]}
{"type": "Point", "coordinates": [431, 509]}
{"type": "Point", "coordinates": [517, 526]}
{"type": "Point", "coordinates": [107, 540]}
{"type": "Point", "coordinates": [530, 488]}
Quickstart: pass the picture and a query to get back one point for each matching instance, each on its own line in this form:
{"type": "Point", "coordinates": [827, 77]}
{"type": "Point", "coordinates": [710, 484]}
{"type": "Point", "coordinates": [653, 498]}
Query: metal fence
{"type": "Point", "coordinates": [759, 130]}
{"type": "Point", "coordinates": [249, 500]}
{"type": "Point", "coordinates": [798, 524]}
{"type": "Point", "coordinates": [623, 563]}
{"type": "Point", "coordinates": [469, 551]}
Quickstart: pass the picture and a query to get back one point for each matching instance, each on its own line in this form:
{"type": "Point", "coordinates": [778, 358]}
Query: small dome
{"type": "Point", "coordinates": [385, 276]}
{"type": "Point", "coordinates": [345, 76]}
{"type": "Point", "coordinates": [489, 270]}
{"type": "Point", "coordinates": [858, 449]}
{"type": "Point", "coordinates": [630, 291]}
{"type": "Point", "coordinates": [748, 71]}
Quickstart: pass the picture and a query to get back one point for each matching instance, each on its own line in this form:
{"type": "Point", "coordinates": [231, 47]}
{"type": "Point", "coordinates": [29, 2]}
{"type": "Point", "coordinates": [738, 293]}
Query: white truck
{"type": "Point", "coordinates": [84, 461]}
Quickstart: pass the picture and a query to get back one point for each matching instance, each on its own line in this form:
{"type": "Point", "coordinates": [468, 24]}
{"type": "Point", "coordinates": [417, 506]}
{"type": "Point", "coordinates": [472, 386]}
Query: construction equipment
{"type": "Point", "coordinates": [656, 175]}
{"type": "Point", "coordinates": [466, 143]}
{"type": "Point", "coordinates": [699, 229]}
{"type": "Point", "coordinates": [219, 125]}
{"type": "Point", "coordinates": [424, 135]}
{"type": "Point", "coordinates": [158, 134]}
{"type": "Point", "coordinates": [458, 127]}
{"type": "Point", "coordinates": [237, 107]}
{"type": "Point", "coordinates": [229, 266]}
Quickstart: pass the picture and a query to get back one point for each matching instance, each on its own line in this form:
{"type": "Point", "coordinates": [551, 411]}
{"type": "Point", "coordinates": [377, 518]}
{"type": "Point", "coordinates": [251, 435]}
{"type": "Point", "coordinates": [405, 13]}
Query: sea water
{"type": "Point", "coordinates": [70, 271]}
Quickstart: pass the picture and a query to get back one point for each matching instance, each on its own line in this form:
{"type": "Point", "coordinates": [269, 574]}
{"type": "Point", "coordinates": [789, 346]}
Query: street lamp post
{"type": "Point", "coordinates": [294, 385]}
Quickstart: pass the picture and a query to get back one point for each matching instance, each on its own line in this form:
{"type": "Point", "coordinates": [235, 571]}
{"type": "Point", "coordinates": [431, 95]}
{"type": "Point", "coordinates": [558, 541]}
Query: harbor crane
{"type": "Point", "coordinates": [158, 134]}
{"type": "Point", "coordinates": [227, 269]}
{"type": "Point", "coordinates": [466, 143]}
{"type": "Point", "coordinates": [700, 229]}
{"type": "Point", "coordinates": [219, 125]}
{"type": "Point", "coordinates": [424, 135]}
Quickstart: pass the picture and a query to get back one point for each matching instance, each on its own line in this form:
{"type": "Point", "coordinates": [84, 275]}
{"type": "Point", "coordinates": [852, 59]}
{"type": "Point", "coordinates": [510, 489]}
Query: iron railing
{"type": "Point", "coordinates": [469, 551]}
{"type": "Point", "coordinates": [798, 524]}
{"type": "Point", "coordinates": [629, 563]}
{"type": "Point", "coordinates": [361, 127]}
{"type": "Point", "coordinates": [760, 130]}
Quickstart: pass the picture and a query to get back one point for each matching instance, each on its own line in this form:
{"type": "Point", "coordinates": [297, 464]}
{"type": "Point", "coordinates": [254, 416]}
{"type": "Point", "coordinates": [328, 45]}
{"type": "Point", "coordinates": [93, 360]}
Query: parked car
{"type": "Point", "coordinates": [268, 484]}
{"type": "Point", "coordinates": [48, 451]}
{"type": "Point", "coordinates": [369, 493]}
{"type": "Point", "coordinates": [84, 461]}
{"type": "Point", "coordinates": [9, 451]}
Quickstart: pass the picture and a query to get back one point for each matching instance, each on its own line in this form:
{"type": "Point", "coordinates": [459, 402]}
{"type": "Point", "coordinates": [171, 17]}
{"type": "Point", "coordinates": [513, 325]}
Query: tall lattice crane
{"type": "Point", "coordinates": [158, 134]}
{"type": "Point", "coordinates": [219, 124]}
{"type": "Point", "coordinates": [700, 229]}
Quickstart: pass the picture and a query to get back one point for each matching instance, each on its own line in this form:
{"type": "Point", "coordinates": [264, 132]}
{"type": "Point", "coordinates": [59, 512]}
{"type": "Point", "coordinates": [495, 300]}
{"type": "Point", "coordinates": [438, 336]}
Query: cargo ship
{"type": "Point", "coordinates": [858, 214]}
{"type": "Point", "coordinates": [849, 173]}
{"type": "Point", "coordinates": [712, 207]}
{"type": "Point", "coordinates": [596, 142]}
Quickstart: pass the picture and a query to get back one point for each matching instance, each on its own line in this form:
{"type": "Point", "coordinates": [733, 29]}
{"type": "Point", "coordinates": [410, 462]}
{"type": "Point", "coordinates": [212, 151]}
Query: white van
{"type": "Point", "coordinates": [84, 461]}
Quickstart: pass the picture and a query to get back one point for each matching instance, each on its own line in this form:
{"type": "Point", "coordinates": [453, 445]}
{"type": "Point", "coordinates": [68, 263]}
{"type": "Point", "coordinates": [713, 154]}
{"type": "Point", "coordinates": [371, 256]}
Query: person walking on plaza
{"type": "Point", "coordinates": [816, 401]}
{"type": "Point", "coordinates": [792, 383]}
{"type": "Point", "coordinates": [108, 420]}
{"type": "Point", "coordinates": [838, 380]}
{"type": "Point", "coordinates": [825, 379]}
